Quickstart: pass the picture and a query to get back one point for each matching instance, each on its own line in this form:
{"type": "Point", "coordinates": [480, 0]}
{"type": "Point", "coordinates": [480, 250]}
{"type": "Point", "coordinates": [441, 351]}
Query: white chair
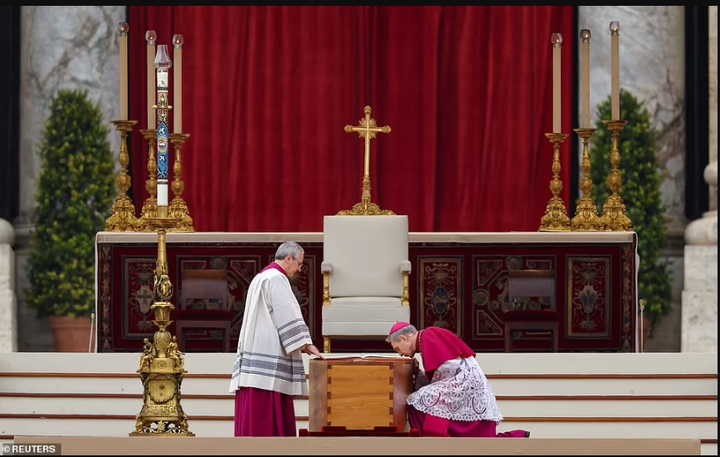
{"type": "Point", "coordinates": [366, 276]}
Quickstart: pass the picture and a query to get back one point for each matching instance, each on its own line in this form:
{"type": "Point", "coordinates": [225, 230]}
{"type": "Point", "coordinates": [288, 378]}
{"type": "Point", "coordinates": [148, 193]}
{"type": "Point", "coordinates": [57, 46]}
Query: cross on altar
{"type": "Point", "coordinates": [367, 129]}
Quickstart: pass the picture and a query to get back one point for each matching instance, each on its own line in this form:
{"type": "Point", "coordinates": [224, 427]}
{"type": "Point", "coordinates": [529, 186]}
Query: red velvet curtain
{"type": "Point", "coordinates": [267, 91]}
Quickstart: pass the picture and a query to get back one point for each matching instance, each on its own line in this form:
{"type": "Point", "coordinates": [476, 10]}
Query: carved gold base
{"type": "Point", "coordinates": [366, 209]}
{"type": "Point", "coordinates": [123, 217]}
{"type": "Point", "coordinates": [149, 211]}
{"type": "Point", "coordinates": [179, 210]}
{"type": "Point", "coordinates": [586, 217]}
{"type": "Point", "coordinates": [326, 345]}
{"type": "Point", "coordinates": [614, 218]}
{"type": "Point", "coordinates": [556, 218]}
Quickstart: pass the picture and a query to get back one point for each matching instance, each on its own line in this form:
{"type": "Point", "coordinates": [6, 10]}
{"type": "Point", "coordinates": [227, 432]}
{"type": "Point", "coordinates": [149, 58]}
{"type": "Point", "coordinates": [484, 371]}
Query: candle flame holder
{"type": "Point", "coordinates": [178, 207]}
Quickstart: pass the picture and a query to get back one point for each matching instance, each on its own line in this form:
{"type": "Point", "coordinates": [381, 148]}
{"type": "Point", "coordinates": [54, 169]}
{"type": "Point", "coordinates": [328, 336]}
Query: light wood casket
{"type": "Point", "coordinates": [359, 394]}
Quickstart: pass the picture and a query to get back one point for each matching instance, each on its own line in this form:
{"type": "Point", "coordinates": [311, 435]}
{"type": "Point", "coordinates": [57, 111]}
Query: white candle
{"type": "Point", "coordinates": [177, 76]}
{"type": "Point", "coordinates": [585, 77]}
{"type": "Point", "coordinates": [615, 63]}
{"type": "Point", "coordinates": [123, 28]}
{"type": "Point", "coordinates": [556, 41]}
{"type": "Point", "coordinates": [150, 38]}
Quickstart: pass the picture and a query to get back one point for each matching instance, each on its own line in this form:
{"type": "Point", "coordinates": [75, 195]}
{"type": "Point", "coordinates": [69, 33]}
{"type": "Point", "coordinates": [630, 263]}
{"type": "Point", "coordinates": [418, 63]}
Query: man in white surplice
{"type": "Point", "coordinates": [268, 369]}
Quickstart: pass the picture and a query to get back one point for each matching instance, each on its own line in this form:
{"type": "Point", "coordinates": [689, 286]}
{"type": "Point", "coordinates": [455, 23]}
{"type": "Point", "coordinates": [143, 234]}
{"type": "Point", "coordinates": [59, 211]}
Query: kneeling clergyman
{"type": "Point", "coordinates": [452, 396]}
{"type": "Point", "coordinates": [268, 371]}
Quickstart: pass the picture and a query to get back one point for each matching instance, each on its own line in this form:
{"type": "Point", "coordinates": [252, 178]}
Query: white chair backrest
{"type": "Point", "coordinates": [365, 253]}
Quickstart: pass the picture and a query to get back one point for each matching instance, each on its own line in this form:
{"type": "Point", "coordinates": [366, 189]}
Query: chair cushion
{"type": "Point", "coordinates": [204, 315]}
{"type": "Point", "coordinates": [530, 316]}
{"type": "Point", "coordinates": [373, 318]}
{"type": "Point", "coordinates": [366, 253]}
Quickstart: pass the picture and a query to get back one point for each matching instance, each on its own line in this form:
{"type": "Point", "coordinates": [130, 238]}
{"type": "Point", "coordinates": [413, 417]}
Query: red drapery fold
{"type": "Point", "coordinates": [267, 91]}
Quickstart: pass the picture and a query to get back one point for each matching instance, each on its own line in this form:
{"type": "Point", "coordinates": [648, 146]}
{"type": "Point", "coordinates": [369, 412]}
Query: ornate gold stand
{"type": "Point", "coordinates": [149, 209]}
{"type": "Point", "coordinates": [366, 207]}
{"type": "Point", "coordinates": [614, 217]}
{"type": "Point", "coordinates": [123, 217]}
{"type": "Point", "coordinates": [556, 217]}
{"type": "Point", "coordinates": [162, 365]}
{"type": "Point", "coordinates": [178, 207]}
{"type": "Point", "coordinates": [586, 215]}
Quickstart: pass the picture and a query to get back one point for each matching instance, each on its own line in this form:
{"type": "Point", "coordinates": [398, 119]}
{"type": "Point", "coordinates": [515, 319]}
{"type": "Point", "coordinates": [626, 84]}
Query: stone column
{"type": "Point", "coordinates": [61, 47]}
{"type": "Point", "coordinates": [699, 297]}
{"type": "Point", "coordinates": [8, 301]}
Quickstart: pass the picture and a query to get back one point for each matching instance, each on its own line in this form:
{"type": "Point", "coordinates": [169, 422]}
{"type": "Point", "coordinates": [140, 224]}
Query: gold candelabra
{"type": "Point", "coordinates": [123, 217]}
{"type": "Point", "coordinates": [149, 209]}
{"type": "Point", "coordinates": [556, 217]}
{"type": "Point", "coordinates": [178, 207]}
{"type": "Point", "coordinates": [162, 365]}
{"type": "Point", "coordinates": [614, 215]}
{"type": "Point", "coordinates": [586, 215]}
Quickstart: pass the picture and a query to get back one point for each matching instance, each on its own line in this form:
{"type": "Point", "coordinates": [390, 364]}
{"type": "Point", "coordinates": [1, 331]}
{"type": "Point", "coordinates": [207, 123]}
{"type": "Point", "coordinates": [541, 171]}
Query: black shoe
{"type": "Point", "coordinates": [527, 434]}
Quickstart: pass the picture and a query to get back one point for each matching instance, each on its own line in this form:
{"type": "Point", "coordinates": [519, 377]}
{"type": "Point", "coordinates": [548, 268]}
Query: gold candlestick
{"type": "Point", "coordinates": [614, 217]}
{"type": "Point", "coordinates": [162, 365]}
{"type": "Point", "coordinates": [586, 215]}
{"type": "Point", "coordinates": [556, 217]}
{"type": "Point", "coordinates": [178, 207]}
{"type": "Point", "coordinates": [123, 217]}
{"type": "Point", "coordinates": [149, 209]}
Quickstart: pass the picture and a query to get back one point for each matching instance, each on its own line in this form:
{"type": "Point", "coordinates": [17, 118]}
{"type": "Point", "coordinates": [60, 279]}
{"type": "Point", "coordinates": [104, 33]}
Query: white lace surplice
{"type": "Point", "coordinates": [459, 391]}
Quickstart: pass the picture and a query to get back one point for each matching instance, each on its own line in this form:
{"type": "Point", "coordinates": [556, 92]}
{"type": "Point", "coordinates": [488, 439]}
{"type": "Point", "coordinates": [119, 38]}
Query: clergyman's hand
{"type": "Point", "coordinates": [310, 349]}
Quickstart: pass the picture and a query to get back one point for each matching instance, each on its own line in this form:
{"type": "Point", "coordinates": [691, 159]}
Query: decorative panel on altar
{"type": "Point", "coordinates": [459, 282]}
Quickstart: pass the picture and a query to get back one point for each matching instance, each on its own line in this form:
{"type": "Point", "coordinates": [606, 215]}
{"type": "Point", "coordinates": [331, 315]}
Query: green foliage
{"type": "Point", "coordinates": [640, 191]}
{"type": "Point", "coordinates": [74, 198]}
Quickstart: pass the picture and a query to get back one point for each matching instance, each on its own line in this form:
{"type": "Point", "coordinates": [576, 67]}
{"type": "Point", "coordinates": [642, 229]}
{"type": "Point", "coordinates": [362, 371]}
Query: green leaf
{"type": "Point", "coordinates": [75, 193]}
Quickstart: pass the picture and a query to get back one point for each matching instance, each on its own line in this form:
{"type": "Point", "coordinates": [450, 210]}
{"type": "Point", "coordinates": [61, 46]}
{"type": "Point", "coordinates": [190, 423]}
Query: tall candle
{"type": "Point", "coordinates": [150, 38]}
{"type": "Point", "coordinates": [123, 28]}
{"type": "Point", "coordinates": [585, 77]}
{"type": "Point", "coordinates": [177, 80]}
{"type": "Point", "coordinates": [556, 40]}
{"type": "Point", "coordinates": [615, 63]}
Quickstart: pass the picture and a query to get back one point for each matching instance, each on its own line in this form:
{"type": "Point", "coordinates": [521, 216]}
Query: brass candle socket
{"type": "Point", "coordinates": [556, 217]}
{"type": "Point", "coordinates": [123, 217]}
{"type": "Point", "coordinates": [162, 365]}
{"type": "Point", "coordinates": [178, 207]}
{"type": "Point", "coordinates": [586, 215]}
{"type": "Point", "coordinates": [614, 215]}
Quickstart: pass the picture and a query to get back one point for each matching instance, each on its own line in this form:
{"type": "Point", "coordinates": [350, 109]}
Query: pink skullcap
{"type": "Point", "coordinates": [398, 326]}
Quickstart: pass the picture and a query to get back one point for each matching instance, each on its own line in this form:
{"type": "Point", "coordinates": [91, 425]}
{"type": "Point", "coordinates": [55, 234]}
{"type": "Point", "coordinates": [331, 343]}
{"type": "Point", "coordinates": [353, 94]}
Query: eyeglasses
{"type": "Point", "coordinates": [300, 264]}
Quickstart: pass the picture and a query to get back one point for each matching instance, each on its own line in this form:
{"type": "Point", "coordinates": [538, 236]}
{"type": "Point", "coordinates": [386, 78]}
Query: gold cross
{"type": "Point", "coordinates": [367, 129]}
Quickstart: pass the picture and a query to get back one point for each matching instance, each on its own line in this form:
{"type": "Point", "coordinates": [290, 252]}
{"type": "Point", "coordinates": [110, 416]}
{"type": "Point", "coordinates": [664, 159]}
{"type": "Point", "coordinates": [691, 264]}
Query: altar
{"type": "Point", "coordinates": [458, 281]}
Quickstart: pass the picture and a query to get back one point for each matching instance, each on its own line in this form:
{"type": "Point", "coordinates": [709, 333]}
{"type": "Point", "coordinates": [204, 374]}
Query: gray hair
{"type": "Point", "coordinates": [289, 248]}
{"type": "Point", "coordinates": [395, 336]}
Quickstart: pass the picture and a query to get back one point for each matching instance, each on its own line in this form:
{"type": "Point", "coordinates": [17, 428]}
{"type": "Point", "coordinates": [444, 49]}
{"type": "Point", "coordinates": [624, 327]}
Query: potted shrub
{"type": "Point", "coordinates": [74, 198]}
{"type": "Point", "coordinates": [641, 194]}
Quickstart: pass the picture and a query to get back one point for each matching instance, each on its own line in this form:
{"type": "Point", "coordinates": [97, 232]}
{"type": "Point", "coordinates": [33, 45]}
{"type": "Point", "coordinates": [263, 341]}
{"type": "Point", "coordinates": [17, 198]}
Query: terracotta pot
{"type": "Point", "coordinates": [647, 323]}
{"type": "Point", "coordinates": [70, 334]}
